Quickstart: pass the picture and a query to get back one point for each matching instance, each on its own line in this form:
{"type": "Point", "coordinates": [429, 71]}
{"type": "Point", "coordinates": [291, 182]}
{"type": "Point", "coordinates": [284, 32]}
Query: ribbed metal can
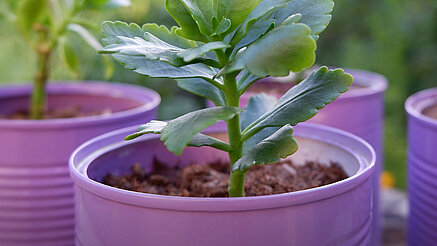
{"type": "Point", "coordinates": [422, 169]}
{"type": "Point", "coordinates": [336, 214]}
{"type": "Point", "coordinates": [36, 191]}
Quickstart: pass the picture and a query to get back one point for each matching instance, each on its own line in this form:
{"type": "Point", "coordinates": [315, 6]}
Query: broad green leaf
{"type": "Point", "coordinates": [203, 88]}
{"type": "Point", "coordinates": [257, 106]}
{"type": "Point", "coordinates": [85, 35]}
{"type": "Point", "coordinates": [279, 145]}
{"type": "Point", "coordinates": [197, 52]}
{"type": "Point", "coordinates": [69, 56]}
{"type": "Point", "coordinates": [303, 100]}
{"type": "Point", "coordinates": [198, 140]}
{"type": "Point", "coordinates": [179, 132]}
{"type": "Point", "coordinates": [287, 47]}
{"type": "Point", "coordinates": [315, 14]}
{"type": "Point", "coordinates": [151, 48]}
{"type": "Point", "coordinates": [182, 16]}
{"type": "Point", "coordinates": [245, 81]}
{"type": "Point", "coordinates": [235, 10]}
{"type": "Point", "coordinates": [202, 12]}
{"type": "Point", "coordinates": [160, 69]}
{"type": "Point", "coordinates": [29, 12]}
{"type": "Point", "coordinates": [264, 9]}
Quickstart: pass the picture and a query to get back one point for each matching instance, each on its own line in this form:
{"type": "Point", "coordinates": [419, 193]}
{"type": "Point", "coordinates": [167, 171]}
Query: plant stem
{"type": "Point", "coordinates": [38, 102]}
{"type": "Point", "coordinates": [236, 185]}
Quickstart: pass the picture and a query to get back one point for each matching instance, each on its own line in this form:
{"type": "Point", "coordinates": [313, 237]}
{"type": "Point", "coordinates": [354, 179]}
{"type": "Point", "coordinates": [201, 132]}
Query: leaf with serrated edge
{"type": "Point", "coordinates": [203, 88]}
{"type": "Point", "coordinates": [168, 36]}
{"type": "Point", "coordinates": [315, 14]}
{"type": "Point", "coordinates": [279, 145]}
{"type": "Point", "coordinates": [111, 30]}
{"type": "Point", "coordinates": [290, 47]}
{"type": "Point", "coordinates": [304, 100]}
{"type": "Point", "coordinates": [179, 132]}
{"type": "Point", "coordinates": [257, 106]}
{"type": "Point", "coordinates": [194, 53]}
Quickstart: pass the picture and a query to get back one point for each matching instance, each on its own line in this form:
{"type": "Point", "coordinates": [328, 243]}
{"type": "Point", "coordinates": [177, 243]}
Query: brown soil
{"type": "Point", "coordinates": [61, 113]}
{"type": "Point", "coordinates": [431, 111]}
{"type": "Point", "coordinates": [212, 180]}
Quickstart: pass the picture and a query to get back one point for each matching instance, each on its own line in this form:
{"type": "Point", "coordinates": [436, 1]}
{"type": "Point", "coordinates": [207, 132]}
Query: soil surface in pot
{"type": "Point", "coordinates": [59, 113]}
{"type": "Point", "coordinates": [212, 180]}
{"type": "Point", "coordinates": [431, 111]}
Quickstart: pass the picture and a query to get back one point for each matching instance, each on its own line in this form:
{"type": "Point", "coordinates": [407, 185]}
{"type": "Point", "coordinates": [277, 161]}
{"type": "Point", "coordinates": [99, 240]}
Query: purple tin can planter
{"type": "Point", "coordinates": [36, 192]}
{"type": "Point", "coordinates": [422, 169]}
{"type": "Point", "coordinates": [336, 214]}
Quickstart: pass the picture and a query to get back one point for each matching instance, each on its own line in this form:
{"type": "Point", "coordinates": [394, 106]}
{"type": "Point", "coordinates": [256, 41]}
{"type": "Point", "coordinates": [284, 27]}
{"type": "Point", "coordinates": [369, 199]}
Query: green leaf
{"type": "Point", "coordinates": [198, 140]}
{"type": "Point", "coordinates": [29, 12]}
{"type": "Point", "coordinates": [153, 68]}
{"type": "Point", "coordinates": [178, 133]}
{"type": "Point", "coordinates": [151, 48]}
{"type": "Point", "coordinates": [197, 52]}
{"type": "Point", "coordinates": [315, 14]}
{"type": "Point", "coordinates": [182, 16]}
{"type": "Point", "coordinates": [154, 126]}
{"type": "Point", "coordinates": [257, 106]}
{"type": "Point", "coordinates": [203, 88]}
{"type": "Point", "coordinates": [221, 28]}
{"type": "Point", "coordinates": [260, 28]}
{"type": "Point", "coordinates": [6, 12]}
{"type": "Point", "coordinates": [111, 30]}
{"type": "Point", "coordinates": [303, 100]}
{"type": "Point", "coordinates": [202, 12]}
{"type": "Point", "coordinates": [235, 10]}
{"type": "Point", "coordinates": [279, 145]}
{"type": "Point", "coordinates": [69, 56]}
{"type": "Point", "coordinates": [287, 47]}
{"type": "Point", "coordinates": [264, 9]}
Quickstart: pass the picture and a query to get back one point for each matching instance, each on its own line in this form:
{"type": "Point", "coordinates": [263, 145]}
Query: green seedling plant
{"type": "Point", "coordinates": [45, 25]}
{"type": "Point", "coordinates": [219, 49]}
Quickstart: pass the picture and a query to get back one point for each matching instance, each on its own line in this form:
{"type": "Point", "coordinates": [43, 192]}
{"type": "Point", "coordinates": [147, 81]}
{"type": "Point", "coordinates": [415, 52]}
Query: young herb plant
{"type": "Point", "coordinates": [45, 25]}
{"type": "Point", "coordinates": [227, 45]}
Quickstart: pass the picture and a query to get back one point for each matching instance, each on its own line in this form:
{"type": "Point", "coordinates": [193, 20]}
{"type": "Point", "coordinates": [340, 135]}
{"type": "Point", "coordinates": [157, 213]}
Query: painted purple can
{"type": "Point", "coordinates": [336, 214]}
{"type": "Point", "coordinates": [422, 169]}
{"type": "Point", "coordinates": [36, 192]}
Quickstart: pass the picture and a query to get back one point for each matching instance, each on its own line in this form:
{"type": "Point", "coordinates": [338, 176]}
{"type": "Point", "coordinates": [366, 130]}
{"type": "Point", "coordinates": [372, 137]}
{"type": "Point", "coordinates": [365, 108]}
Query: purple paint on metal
{"type": "Point", "coordinates": [36, 192]}
{"type": "Point", "coordinates": [336, 214]}
{"type": "Point", "coordinates": [422, 169]}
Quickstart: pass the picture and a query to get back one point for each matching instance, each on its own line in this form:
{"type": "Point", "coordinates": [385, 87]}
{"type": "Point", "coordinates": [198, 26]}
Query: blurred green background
{"type": "Point", "coordinates": [396, 38]}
